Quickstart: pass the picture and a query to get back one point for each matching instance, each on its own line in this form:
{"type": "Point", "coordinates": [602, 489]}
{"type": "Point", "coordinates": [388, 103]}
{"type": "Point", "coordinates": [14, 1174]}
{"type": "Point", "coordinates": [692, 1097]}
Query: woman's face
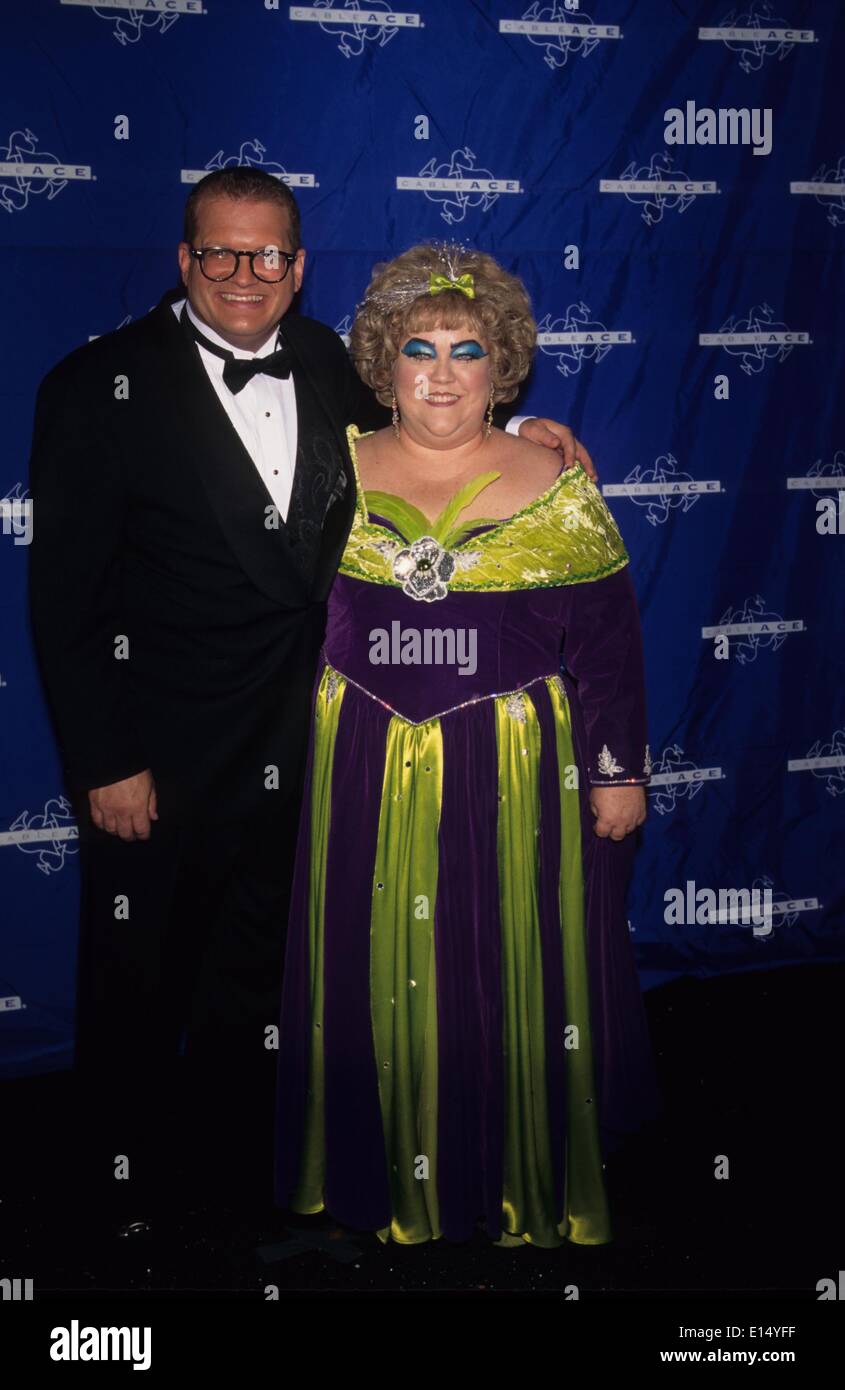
{"type": "Point", "coordinates": [442, 382]}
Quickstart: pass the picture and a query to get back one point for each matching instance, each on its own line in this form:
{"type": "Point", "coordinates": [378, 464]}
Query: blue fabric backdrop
{"type": "Point", "coordinates": [527, 131]}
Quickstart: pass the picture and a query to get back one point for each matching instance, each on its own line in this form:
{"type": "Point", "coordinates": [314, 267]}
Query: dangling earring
{"type": "Point", "coordinates": [395, 415]}
{"type": "Point", "coordinates": [489, 424]}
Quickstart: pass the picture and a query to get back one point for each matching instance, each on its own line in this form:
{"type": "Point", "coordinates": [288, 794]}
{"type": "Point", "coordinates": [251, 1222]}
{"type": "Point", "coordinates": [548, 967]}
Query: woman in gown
{"type": "Point", "coordinates": [462, 1037]}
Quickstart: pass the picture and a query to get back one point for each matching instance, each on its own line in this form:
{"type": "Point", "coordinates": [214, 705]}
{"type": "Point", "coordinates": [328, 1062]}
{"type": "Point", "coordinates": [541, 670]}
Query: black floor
{"type": "Point", "coordinates": [750, 1067]}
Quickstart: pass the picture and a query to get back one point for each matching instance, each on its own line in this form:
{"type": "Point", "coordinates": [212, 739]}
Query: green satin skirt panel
{"type": "Point", "coordinates": [528, 1197]}
{"type": "Point", "coordinates": [403, 978]}
{"type": "Point", "coordinates": [587, 1209]}
{"type": "Point", "coordinates": [308, 1196]}
{"type": "Point", "coordinates": [403, 986]}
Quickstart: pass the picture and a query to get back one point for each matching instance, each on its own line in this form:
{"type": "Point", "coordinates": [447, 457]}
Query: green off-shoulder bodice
{"type": "Point", "coordinates": [565, 536]}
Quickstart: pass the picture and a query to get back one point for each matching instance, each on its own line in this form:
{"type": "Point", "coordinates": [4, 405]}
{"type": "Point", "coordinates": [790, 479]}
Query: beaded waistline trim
{"type": "Point", "coordinates": [476, 700]}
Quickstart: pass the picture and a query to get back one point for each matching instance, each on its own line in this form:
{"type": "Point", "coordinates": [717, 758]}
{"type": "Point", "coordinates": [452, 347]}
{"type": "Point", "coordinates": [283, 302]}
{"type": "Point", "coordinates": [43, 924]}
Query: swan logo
{"type": "Point", "coordinates": [356, 24]}
{"type": "Point", "coordinates": [154, 16]}
{"type": "Point", "coordinates": [675, 778]}
{"type": "Point", "coordinates": [784, 911]}
{"type": "Point", "coordinates": [18, 493]}
{"type": "Point", "coordinates": [577, 338]}
{"type": "Point", "coordinates": [821, 478]}
{"type": "Point", "coordinates": [50, 835]}
{"type": "Point", "coordinates": [827, 186]}
{"type": "Point", "coordinates": [251, 154]}
{"type": "Point", "coordinates": [92, 337]}
{"type": "Point", "coordinates": [458, 185]}
{"type": "Point", "coordinates": [562, 31]}
{"type": "Point", "coordinates": [27, 171]}
{"type": "Point", "coordinates": [344, 328]}
{"type": "Point", "coordinates": [826, 761]}
{"type": "Point", "coordinates": [657, 188]}
{"type": "Point", "coordinates": [755, 35]}
{"type": "Point", "coordinates": [755, 340]}
{"type": "Point", "coordinates": [661, 489]}
{"type": "Point", "coordinates": [758, 629]}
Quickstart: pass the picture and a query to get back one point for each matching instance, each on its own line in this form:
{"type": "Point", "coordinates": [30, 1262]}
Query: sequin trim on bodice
{"type": "Point", "coordinates": [567, 535]}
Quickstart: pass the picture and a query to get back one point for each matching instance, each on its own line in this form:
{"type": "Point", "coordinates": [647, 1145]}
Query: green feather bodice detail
{"type": "Point", "coordinates": [565, 536]}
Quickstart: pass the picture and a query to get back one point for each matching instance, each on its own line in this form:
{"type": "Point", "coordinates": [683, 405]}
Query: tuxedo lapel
{"type": "Point", "coordinates": [204, 435]}
{"type": "Point", "coordinates": [319, 482]}
{"type": "Point", "coordinates": [323, 496]}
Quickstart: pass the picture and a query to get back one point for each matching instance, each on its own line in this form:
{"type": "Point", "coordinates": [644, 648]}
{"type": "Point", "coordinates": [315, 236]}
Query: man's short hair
{"type": "Point", "coordinates": [241, 181]}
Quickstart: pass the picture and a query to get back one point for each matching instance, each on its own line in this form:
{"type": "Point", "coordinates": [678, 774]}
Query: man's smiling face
{"type": "Point", "coordinates": [244, 310]}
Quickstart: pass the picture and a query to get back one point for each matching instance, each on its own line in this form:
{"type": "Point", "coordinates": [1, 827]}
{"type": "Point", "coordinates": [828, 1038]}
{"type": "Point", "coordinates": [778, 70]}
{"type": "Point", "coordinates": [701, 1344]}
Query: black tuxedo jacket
{"type": "Point", "coordinates": [177, 617]}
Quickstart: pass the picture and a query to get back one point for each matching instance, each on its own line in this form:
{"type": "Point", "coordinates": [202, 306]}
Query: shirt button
{"type": "Point", "coordinates": [267, 413]}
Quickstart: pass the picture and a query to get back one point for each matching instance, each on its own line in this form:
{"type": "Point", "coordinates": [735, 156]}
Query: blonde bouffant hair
{"type": "Point", "coordinates": [398, 303]}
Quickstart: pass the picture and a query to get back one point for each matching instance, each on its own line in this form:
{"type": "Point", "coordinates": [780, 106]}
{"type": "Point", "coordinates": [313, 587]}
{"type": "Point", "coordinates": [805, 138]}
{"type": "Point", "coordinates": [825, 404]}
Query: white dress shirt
{"type": "Point", "coordinates": [263, 412]}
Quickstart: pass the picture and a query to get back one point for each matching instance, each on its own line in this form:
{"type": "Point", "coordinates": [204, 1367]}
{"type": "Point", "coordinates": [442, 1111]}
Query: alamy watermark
{"type": "Point", "coordinates": [16, 518]}
{"type": "Point", "coordinates": [728, 125]}
{"type": "Point", "coordinates": [691, 906]}
{"type": "Point", "coordinates": [429, 646]}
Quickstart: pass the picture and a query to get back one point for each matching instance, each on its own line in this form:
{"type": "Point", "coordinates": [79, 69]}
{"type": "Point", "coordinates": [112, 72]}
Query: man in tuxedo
{"type": "Point", "coordinates": [192, 497]}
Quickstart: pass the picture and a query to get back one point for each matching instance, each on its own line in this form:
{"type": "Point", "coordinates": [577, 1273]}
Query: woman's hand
{"type": "Point", "coordinates": [618, 810]}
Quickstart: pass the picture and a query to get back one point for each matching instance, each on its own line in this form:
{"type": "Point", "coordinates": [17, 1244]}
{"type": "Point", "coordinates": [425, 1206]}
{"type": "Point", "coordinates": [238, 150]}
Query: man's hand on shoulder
{"type": "Point", "coordinates": [554, 435]}
{"type": "Point", "coordinates": [125, 808]}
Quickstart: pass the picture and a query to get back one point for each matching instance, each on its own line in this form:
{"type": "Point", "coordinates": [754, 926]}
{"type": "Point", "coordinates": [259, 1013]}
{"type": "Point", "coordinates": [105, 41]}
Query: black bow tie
{"type": "Point", "coordinates": [239, 370]}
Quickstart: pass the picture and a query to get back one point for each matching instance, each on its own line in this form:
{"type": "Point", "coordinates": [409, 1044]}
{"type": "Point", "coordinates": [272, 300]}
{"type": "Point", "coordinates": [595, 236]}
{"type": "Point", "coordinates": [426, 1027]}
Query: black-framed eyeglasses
{"type": "Point", "coordinates": [221, 262]}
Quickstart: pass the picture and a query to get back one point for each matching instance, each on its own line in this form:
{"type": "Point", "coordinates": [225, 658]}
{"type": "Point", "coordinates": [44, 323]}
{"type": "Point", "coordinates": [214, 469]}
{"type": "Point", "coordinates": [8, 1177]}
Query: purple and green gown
{"type": "Point", "coordinates": [463, 1037]}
